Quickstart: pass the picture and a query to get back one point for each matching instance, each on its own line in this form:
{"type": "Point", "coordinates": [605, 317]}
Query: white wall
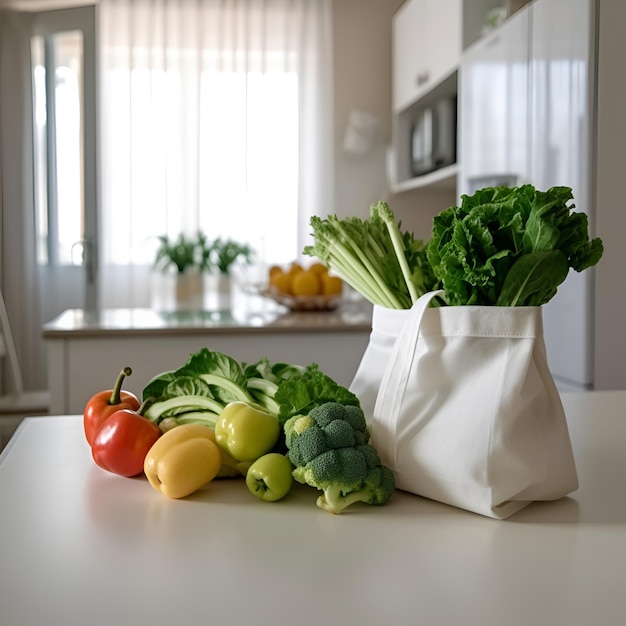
{"type": "Point", "coordinates": [362, 49]}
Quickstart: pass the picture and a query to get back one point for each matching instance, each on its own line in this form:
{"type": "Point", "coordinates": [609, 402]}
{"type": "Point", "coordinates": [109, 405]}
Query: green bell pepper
{"type": "Point", "coordinates": [246, 433]}
{"type": "Point", "coordinates": [270, 477]}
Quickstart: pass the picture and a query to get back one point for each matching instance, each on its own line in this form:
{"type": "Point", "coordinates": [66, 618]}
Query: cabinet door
{"type": "Point", "coordinates": [426, 47]}
{"type": "Point", "coordinates": [444, 36]}
{"type": "Point", "coordinates": [408, 51]}
{"type": "Point", "coordinates": [494, 108]}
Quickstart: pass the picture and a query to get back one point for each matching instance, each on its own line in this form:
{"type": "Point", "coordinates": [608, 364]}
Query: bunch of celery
{"type": "Point", "coordinates": [385, 265]}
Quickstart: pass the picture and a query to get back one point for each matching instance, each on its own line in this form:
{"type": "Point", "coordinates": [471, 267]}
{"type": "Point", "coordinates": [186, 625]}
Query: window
{"type": "Point", "coordinates": [225, 162]}
{"type": "Point", "coordinates": [215, 116]}
{"type": "Point", "coordinates": [58, 139]}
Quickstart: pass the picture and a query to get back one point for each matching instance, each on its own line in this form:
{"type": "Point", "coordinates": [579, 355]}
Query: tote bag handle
{"type": "Point", "coordinates": [395, 379]}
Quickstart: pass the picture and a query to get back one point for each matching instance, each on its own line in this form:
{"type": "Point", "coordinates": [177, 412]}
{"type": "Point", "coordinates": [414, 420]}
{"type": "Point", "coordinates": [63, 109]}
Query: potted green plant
{"type": "Point", "coordinates": [227, 251]}
{"type": "Point", "coordinates": [180, 253]}
{"type": "Point", "coordinates": [205, 249]}
{"type": "Point", "coordinates": [184, 256]}
{"type": "Point", "coordinates": [194, 258]}
{"type": "Point", "coordinates": [221, 256]}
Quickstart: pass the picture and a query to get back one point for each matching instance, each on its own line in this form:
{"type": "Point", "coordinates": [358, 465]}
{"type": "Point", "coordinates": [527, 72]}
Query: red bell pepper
{"type": "Point", "coordinates": [103, 404]}
{"type": "Point", "coordinates": [122, 442]}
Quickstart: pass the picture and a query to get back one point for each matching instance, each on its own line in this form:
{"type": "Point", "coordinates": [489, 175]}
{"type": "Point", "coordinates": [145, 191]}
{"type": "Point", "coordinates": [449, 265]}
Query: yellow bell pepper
{"type": "Point", "coordinates": [183, 460]}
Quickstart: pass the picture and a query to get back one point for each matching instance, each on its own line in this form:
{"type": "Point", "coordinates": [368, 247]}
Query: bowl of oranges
{"type": "Point", "coordinates": [304, 288]}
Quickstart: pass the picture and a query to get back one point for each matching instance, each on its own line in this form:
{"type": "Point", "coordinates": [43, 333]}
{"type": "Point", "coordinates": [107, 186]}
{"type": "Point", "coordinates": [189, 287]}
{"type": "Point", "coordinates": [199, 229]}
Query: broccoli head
{"type": "Point", "coordinates": [330, 450]}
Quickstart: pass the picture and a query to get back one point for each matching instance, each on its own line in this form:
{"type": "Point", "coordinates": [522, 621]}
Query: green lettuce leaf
{"type": "Point", "coordinates": [208, 381]}
{"type": "Point", "coordinates": [509, 246]}
{"type": "Point", "coordinates": [533, 279]}
{"type": "Point", "coordinates": [299, 394]}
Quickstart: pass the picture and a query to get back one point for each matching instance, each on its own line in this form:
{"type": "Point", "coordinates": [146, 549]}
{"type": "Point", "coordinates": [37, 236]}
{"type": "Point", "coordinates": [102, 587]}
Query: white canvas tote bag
{"type": "Point", "coordinates": [463, 408]}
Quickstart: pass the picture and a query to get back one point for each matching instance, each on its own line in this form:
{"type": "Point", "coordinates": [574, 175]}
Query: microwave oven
{"type": "Point", "coordinates": [433, 138]}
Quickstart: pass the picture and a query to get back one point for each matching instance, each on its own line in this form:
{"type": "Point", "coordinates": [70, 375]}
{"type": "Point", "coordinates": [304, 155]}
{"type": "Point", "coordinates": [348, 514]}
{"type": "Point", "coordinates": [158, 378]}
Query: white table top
{"type": "Point", "coordinates": [81, 547]}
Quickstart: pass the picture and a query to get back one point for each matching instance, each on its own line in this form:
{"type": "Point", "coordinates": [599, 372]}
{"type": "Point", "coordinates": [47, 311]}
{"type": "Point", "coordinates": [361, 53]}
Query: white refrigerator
{"type": "Point", "coordinates": [525, 116]}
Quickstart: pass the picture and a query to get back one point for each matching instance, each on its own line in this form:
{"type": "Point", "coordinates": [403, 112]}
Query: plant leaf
{"type": "Point", "coordinates": [533, 279]}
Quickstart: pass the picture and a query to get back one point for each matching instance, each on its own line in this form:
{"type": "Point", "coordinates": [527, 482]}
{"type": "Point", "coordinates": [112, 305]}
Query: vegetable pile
{"type": "Point", "coordinates": [274, 423]}
{"type": "Point", "coordinates": [504, 246]}
{"type": "Point", "coordinates": [214, 417]}
{"type": "Point", "coordinates": [200, 390]}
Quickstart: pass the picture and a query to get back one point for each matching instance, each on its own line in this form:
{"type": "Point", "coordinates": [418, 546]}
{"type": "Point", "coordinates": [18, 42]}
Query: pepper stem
{"type": "Point", "coordinates": [117, 388]}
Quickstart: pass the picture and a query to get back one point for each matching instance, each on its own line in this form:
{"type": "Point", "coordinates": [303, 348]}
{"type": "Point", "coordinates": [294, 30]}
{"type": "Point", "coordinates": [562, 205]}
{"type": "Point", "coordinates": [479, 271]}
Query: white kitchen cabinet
{"type": "Point", "coordinates": [427, 42]}
{"type": "Point", "coordinates": [408, 48]}
{"type": "Point", "coordinates": [85, 350]}
{"type": "Point", "coordinates": [494, 113]}
{"type": "Point", "coordinates": [427, 39]}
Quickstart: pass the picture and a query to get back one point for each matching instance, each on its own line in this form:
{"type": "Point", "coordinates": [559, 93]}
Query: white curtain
{"type": "Point", "coordinates": [17, 243]}
{"type": "Point", "coordinates": [216, 115]}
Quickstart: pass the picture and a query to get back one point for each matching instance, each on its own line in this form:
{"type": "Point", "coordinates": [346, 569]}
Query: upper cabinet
{"type": "Point", "coordinates": [427, 39]}
{"type": "Point", "coordinates": [494, 106]}
{"type": "Point", "coordinates": [427, 43]}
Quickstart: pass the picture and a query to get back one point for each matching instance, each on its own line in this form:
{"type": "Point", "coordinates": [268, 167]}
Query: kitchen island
{"type": "Point", "coordinates": [85, 350]}
{"type": "Point", "coordinates": [82, 546]}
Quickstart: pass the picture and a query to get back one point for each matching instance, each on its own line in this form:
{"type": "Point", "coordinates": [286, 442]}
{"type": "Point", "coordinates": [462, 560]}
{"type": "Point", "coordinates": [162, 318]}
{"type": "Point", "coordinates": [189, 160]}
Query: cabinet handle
{"type": "Point", "coordinates": [422, 78]}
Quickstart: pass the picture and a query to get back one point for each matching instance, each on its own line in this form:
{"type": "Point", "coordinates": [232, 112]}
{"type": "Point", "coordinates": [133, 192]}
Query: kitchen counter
{"type": "Point", "coordinates": [85, 350]}
{"type": "Point", "coordinates": [82, 546]}
{"type": "Point", "coordinates": [254, 320]}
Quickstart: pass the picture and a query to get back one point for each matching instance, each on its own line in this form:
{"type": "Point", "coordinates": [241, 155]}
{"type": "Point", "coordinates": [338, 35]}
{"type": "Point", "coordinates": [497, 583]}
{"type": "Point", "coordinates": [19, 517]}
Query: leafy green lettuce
{"type": "Point", "coordinates": [509, 246]}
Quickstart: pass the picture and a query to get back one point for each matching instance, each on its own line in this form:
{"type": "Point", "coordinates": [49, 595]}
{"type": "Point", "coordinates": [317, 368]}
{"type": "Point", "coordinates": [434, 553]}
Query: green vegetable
{"type": "Point", "coordinates": [387, 266]}
{"type": "Point", "coordinates": [198, 391]}
{"type": "Point", "coordinates": [301, 394]}
{"type": "Point", "coordinates": [187, 399]}
{"type": "Point", "coordinates": [330, 450]}
{"type": "Point", "coordinates": [509, 246]}
{"type": "Point", "coordinates": [269, 477]}
{"type": "Point", "coordinates": [263, 380]}
{"type": "Point", "coordinates": [203, 386]}
{"type": "Point", "coordinates": [246, 433]}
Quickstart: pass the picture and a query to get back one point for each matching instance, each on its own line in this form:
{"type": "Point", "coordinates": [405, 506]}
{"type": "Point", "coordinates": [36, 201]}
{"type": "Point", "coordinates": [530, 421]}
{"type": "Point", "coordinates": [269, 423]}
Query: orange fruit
{"type": "Point", "coordinates": [318, 268]}
{"type": "Point", "coordinates": [331, 285]}
{"type": "Point", "coordinates": [280, 281]}
{"type": "Point", "coordinates": [295, 268]}
{"type": "Point", "coordinates": [275, 269]}
{"type": "Point", "coordinates": [305, 283]}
